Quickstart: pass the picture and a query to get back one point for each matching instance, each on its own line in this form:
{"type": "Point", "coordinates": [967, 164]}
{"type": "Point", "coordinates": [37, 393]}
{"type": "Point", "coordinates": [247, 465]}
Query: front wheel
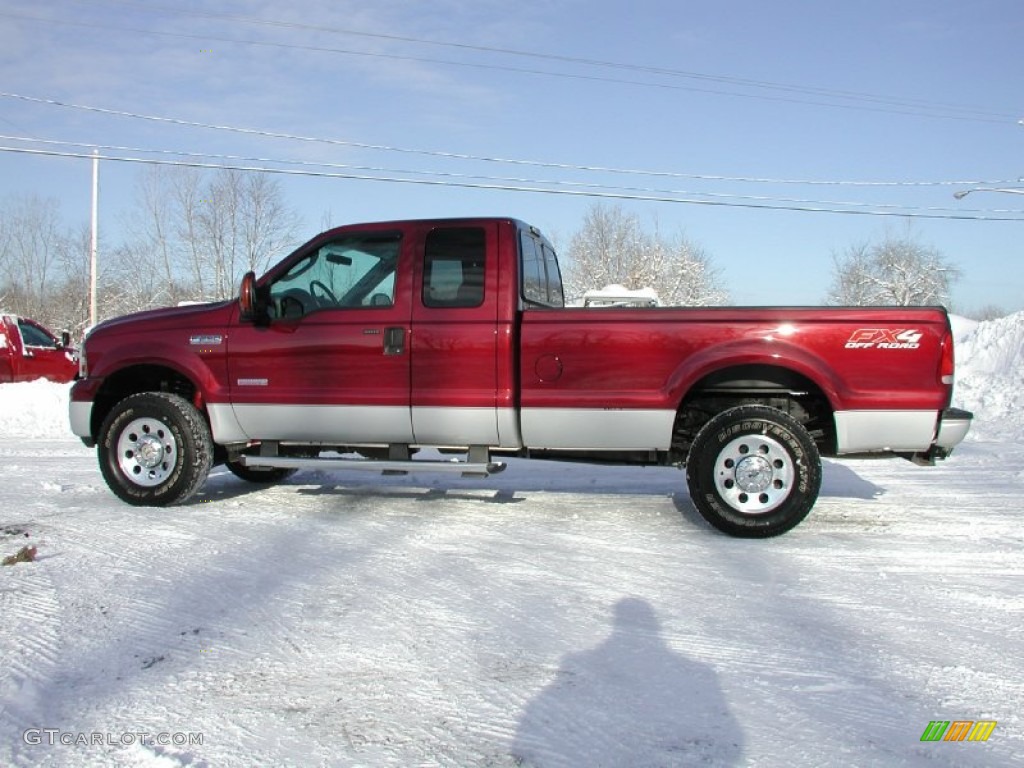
{"type": "Point", "coordinates": [753, 471]}
{"type": "Point", "coordinates": [154, 449]}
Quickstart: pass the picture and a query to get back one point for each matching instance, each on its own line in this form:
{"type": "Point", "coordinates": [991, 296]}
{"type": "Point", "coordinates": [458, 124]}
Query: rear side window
{"type": "Point", "coordinates": [541, 279]}
{"type": "Point", "coordinates": [453, 267]}
{"type": "Point", "coordinates": [534, 278]}
{"type": "Point", "coordinates": [556, 294]}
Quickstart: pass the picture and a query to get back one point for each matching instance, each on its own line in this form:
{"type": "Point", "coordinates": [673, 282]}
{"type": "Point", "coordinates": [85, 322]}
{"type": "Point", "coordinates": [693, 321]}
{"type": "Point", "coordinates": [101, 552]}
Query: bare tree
{"type": "Point", "coordinates": [268, 226]}
{"type": "Point", "coordinates": [187, 226]}
{"type": "Point", "coordinates": [189, 237]}
{"type": "Point", "coordinates": [612, 248]}
{"type": "Point", "coordinates": [67, 301]}
{"type": "Point", "coordinates": [242, 224]}
{"type": "Point", "coordinates": [146, 270]}
{"type": "Point", "coordinates": [899, 271]}
{"type": "Point", "coordinates": [37, 259]}
{"type": "Point", "coordinates": [200, 234]}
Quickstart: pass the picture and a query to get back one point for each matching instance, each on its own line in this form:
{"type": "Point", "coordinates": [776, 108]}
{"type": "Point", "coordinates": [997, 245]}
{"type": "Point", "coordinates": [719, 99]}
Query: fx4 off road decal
{"type": "Point", "coordinates": [884, 338]}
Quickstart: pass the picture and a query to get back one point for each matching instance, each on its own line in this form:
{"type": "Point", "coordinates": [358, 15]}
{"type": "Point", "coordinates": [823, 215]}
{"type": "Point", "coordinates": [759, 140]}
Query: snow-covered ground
{"type": "Point", "coordinates": [555, 615]}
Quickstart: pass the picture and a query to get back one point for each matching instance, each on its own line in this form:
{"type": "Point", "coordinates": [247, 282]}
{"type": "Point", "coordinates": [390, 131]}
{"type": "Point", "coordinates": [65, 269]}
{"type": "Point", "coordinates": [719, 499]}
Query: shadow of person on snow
{"type": "Point", "coordinates": [631, 701]}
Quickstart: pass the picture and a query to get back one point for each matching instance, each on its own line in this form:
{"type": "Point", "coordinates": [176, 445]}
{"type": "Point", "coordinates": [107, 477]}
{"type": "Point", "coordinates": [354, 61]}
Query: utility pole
{"type": "Point", "coordinates": [94, 237]}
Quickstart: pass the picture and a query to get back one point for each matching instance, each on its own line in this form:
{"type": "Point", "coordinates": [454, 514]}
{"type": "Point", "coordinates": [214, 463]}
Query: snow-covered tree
{"type": "Point", "coordinates": [612, 248]}
{"type": "Point", "coordinates": [898, 271]}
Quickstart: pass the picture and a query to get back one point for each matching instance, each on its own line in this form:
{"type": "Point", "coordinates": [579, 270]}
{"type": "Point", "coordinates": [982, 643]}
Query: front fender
{"type": "Point", "coordinates": [202, 364]}
{"type": "Point", "coordinates": [123, 367]}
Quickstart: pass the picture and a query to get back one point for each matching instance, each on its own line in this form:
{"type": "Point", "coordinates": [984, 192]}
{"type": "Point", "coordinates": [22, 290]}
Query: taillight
{"type": "Point", "coordinates": [947, 365]}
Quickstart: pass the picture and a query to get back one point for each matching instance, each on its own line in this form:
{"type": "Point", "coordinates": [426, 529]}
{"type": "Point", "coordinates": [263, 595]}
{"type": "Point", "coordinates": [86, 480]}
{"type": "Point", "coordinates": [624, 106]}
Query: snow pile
{"type": "Point", "coordinates": [990, 377]}
{"type": "Point", "coordinates": [990, 382]}
{"type": "Point", "coordinates": [962, 327]}
{"type": "Point", "coordinates": [35, 409]}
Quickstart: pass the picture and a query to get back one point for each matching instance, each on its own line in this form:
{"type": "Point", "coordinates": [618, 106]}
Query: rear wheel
{"type": "Point", "coordinates": [753, 471]}
{"type": "Point", "coordinates": [154, 449]}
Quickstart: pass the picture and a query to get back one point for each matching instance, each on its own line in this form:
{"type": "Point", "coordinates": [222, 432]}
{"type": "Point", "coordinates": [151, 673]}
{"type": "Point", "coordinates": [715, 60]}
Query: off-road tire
{"type": "Point", "coordinates": [753, 472]}
{"type": "Point", "coordinates": [154, 449]}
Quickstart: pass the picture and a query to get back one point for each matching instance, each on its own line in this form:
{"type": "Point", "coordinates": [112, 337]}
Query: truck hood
{"type": "Point", "coordinates": [189, 315]}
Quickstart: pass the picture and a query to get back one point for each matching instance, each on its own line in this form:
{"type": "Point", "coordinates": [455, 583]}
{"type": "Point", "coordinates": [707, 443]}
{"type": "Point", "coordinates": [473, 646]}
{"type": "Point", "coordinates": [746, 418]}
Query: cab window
{"type": "Point", "coordinates": [453, 267]}
{"type": "Point", "coordinates": [32, 336]}
{"type": "Point", "coordinates": [353, 271]}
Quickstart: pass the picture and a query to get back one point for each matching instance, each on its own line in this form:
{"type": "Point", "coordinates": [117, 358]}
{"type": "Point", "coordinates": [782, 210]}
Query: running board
{"type": "Point", "coordinates": [466, 469]}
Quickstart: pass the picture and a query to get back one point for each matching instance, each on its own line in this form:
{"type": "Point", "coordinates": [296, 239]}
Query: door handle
{"type": "Point", "coordinates": [394, 341]}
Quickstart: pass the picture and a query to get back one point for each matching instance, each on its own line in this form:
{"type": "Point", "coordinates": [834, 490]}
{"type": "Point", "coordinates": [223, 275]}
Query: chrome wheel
{"type": "Point", "coordinates": [754, 474]}
{"type": "Point", "coordinates": [147, 452]}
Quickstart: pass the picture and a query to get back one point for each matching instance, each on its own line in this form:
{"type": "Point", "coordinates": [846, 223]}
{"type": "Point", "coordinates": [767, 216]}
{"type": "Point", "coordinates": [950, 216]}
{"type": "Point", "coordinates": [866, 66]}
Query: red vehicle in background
{"type": "Point", "coordinates": [29, 351]}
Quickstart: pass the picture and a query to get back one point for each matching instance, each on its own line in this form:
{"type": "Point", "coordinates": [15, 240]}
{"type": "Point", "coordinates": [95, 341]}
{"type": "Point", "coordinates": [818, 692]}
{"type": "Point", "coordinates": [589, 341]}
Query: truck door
{"type": "Point", "coordinates": [330, 363]}
{"type": "Point", "coordinates": [6, 353]}
{"type": "Point", "coordinates": [42, 355]}
{"type": "Point", "coordinates": [456, 362]}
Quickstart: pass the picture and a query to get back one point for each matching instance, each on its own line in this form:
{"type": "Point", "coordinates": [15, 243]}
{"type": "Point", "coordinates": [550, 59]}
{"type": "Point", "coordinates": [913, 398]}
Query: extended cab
{"type": "Point", "coordinates": [379, 339]}
{"type": "Point", "coordinates": [29, 351]}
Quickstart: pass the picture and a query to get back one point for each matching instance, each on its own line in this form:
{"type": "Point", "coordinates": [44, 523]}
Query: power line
{"type": "Point", "coordinates": [562, 58]}
{"type": "Point", "coordinates": [502, 179]}
{"type": "Point", "coordinates": [910, 108]}
{"type": "Point", "coordinates": [486, 159]}
{"type": "Point", "coordinates": [515, 188]}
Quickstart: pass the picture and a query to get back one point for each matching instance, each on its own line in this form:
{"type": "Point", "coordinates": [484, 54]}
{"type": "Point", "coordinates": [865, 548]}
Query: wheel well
{"type": "Point", "coordinates": [777, 387]}
{"type": "Point", "coordinates": [139, 378]}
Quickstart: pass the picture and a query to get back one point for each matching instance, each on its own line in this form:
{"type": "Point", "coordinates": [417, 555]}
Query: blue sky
{"type": "Point", "coordinates": [707, 97]}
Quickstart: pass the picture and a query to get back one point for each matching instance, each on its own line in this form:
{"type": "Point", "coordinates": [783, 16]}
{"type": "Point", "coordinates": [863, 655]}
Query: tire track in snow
{"type": "Point", "coordinates": [31, 618]}
{"type": "Point", "coordinates": [179, 588]}
{"type": "Point", "coordinates": [30, 631]}
{"type": "Point", "coordinates": [257, 579]}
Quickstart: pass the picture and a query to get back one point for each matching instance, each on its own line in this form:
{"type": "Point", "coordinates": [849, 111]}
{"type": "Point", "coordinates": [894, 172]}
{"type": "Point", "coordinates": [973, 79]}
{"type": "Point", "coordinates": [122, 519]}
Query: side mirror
{"type": "Point", "coordinates": [65, 339]}
{"type": "Point", "coordinates": [247, 297]}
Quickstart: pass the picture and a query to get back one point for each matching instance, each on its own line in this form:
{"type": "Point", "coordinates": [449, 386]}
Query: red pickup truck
{"type": "Point", "coordinates": [374, 340]}
{"type": "Point", "coordinates": [29, 351]}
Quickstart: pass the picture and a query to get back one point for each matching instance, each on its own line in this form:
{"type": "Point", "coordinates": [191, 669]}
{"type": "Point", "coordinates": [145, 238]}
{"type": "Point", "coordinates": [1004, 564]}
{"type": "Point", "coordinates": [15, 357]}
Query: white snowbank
{"type": "Point", "coordinates": [35, 409]}
{"type": "Point", "coordinates": [962, 326]}
{"type": "Point", "coordinates": [990, 377]}
{"type": "Point", "coordinates": [990, 382]}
